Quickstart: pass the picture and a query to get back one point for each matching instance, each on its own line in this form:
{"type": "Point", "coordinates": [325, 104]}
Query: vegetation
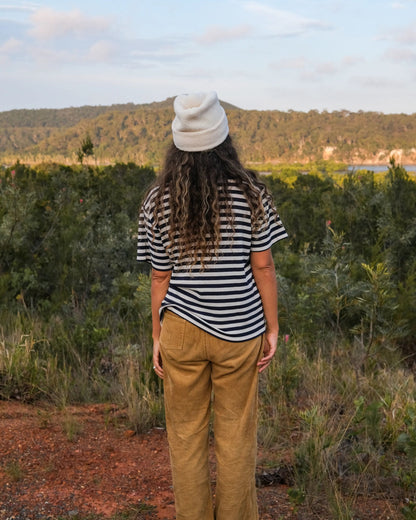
{"type": "Point", "coordinates": [140, 133]}
{"type": "Point", "coordinates": [86, 149]}
{"type": "Point", "coordinates": [340, 397]}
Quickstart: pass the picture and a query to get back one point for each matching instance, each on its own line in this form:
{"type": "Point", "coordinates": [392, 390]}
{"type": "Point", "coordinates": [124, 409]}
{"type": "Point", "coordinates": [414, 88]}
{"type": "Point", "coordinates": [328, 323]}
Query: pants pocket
{"type": "Point", "coordinates": [172, 333]}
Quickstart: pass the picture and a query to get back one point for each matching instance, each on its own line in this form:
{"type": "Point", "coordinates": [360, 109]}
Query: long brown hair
{"type": "Point", "coordinates": [197, 188]}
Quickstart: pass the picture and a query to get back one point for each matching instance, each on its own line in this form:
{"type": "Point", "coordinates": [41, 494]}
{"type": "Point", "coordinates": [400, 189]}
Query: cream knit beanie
{"type": "Point", "coordinates": [200, 122]}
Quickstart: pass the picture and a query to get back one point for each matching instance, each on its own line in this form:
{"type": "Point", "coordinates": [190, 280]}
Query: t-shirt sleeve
{"type": "Point", "coordinates": [271, 230]}
{"type": "Point", "coordinates": [150, 247]}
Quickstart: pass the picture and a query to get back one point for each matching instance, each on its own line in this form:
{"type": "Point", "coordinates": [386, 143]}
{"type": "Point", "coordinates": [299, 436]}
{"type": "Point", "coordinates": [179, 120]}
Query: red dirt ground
{"type": "Point", "coordinates": [84, 463]}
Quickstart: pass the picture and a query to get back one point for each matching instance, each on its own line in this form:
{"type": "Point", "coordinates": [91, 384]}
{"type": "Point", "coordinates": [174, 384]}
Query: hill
{"type": "Point", "coordinates": [140, 133]}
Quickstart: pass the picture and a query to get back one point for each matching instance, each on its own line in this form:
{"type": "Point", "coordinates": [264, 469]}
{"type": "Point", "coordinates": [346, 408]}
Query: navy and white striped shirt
{"type": "Point", "coordinates": [223, 298]}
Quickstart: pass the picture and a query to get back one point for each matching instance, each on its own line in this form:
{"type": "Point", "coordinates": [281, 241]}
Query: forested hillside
{"type": "Point", "coordinates": [140, 133]}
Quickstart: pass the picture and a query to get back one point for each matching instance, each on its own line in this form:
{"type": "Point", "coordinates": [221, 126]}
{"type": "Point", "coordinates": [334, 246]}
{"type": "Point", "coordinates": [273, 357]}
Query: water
{"type": "Point", "coordinates": [377, 168]}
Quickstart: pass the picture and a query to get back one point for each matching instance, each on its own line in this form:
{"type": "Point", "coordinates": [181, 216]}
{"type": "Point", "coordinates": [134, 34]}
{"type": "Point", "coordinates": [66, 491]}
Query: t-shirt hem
{"type": "Point", "coordinates": [259, 249]}
{"type": "Point", "coordinates": [209, 330]}
{"type": "Point", "coordinates": [158, 268]}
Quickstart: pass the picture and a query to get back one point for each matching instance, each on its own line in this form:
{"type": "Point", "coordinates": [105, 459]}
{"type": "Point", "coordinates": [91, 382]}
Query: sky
{"type": "Point", "coordinates": [262, 54]}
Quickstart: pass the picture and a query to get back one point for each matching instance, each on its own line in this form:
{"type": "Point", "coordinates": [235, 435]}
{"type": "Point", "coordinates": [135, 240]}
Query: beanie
{"type": "Point", "coordinates": [200, 122]}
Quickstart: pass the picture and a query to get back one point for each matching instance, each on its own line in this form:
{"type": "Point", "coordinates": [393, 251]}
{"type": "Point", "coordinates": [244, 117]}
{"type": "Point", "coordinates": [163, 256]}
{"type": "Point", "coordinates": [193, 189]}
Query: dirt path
{"type": "Point", "coordinates": [83, 463]}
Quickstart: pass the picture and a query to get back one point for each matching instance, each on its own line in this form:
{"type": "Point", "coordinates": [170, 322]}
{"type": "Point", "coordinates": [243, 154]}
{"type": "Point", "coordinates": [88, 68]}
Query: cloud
{"type": "Point", "coordinates": [326, 68]}
{"type": "Point", "coordinates": [405, 35]}
{"type": "Point", "coordinates": [71, 37]}
{"type": "Point", "coordinates": [49, 24]}
{"type": "Point", "coordinates": [48, 36]}
{"type": "Point", "coordinates": [11, 46]}
{"type": "Point", "coordinates": [216, 34]}
{"type": "Point", "coordinates": [102, 51]}
{"type": "Point", "coordinates": [374, 82]}
{"type": "Point", "coordinates": [308, 70]}
{"type": "Point", "coordinates": [299, 63]}
{"type": "Point", "coordinates": [401, 55]}
{"type": "Point", "coordinates": [24, 6]}
{"type": "Point", "coordinates": [350, 61]}
{"type": "Point", "coordinates": [10, 49]}
{"type": "Point", "coordinates": [107, 52]}
{"type": "Point", "coordinates": [319, 71]}
{"type": "Point", "coordinates": [284, 23]}
{"type": "Point", "coordinates": [154, 51]}
{"type": "Point", "coordinates": [401, 5]}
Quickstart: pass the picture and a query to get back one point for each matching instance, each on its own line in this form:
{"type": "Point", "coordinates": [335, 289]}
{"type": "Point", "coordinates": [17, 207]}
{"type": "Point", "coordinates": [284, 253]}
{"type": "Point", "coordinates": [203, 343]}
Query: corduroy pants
{"type": "Point", "coordinates": [197, 365]}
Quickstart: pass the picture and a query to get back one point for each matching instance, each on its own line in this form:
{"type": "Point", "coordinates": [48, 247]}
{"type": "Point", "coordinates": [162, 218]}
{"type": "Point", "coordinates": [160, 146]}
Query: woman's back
{"type": "Point", "coordinates": [220, 296]}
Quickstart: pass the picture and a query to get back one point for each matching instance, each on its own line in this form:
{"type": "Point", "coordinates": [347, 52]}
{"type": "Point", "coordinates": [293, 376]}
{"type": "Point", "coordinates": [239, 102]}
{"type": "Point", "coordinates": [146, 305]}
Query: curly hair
{"type": "Point", "coordinates": [196, 184]}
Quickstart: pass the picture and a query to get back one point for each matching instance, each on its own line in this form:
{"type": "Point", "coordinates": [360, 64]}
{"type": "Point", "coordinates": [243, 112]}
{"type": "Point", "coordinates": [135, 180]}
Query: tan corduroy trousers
{"type": "Point", "coordinates": [196, 364]}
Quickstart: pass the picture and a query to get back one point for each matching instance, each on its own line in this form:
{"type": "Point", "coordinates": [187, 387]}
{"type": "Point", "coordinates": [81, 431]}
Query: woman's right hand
{"type": "Point", "coordinates": [269, 350]}
{"type": "Point", "coordinates": [157, 359]}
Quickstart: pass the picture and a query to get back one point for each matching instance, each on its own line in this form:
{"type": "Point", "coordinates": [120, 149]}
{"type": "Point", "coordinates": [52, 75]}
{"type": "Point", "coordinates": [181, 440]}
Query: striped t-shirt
{"type": "Point", "coordinates": [221, 299]}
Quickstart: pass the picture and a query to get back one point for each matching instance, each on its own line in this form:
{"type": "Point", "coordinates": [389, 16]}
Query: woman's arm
{"type": "Point", "coordinates": [264, 274]}
{"type": "Point", "coordinates": [159, 288]}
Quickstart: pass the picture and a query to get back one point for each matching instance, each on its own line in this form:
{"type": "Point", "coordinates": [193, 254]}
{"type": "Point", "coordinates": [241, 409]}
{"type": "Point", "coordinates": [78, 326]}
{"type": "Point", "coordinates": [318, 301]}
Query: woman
{"type": "Point", "coordinates": [207, 228]}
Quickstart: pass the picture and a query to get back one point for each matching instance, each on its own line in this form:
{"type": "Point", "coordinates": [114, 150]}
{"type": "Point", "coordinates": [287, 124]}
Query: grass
{"type": "Point", "coordinates": [140, 390]}
{"type": "Point", "coordinates": [32, 368]}
{"type": "Point", "coordinates": [354, 433]}
{"type": "Point", "coordinates": [71, 426]}
{"type": "Point", "coordinates": [142, 511]}
{"type": "Point", "coordinates": [14, 470]}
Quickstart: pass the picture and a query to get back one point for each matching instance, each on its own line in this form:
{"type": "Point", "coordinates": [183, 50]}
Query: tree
{"type": "Point", "coordinates": [86, 149]}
